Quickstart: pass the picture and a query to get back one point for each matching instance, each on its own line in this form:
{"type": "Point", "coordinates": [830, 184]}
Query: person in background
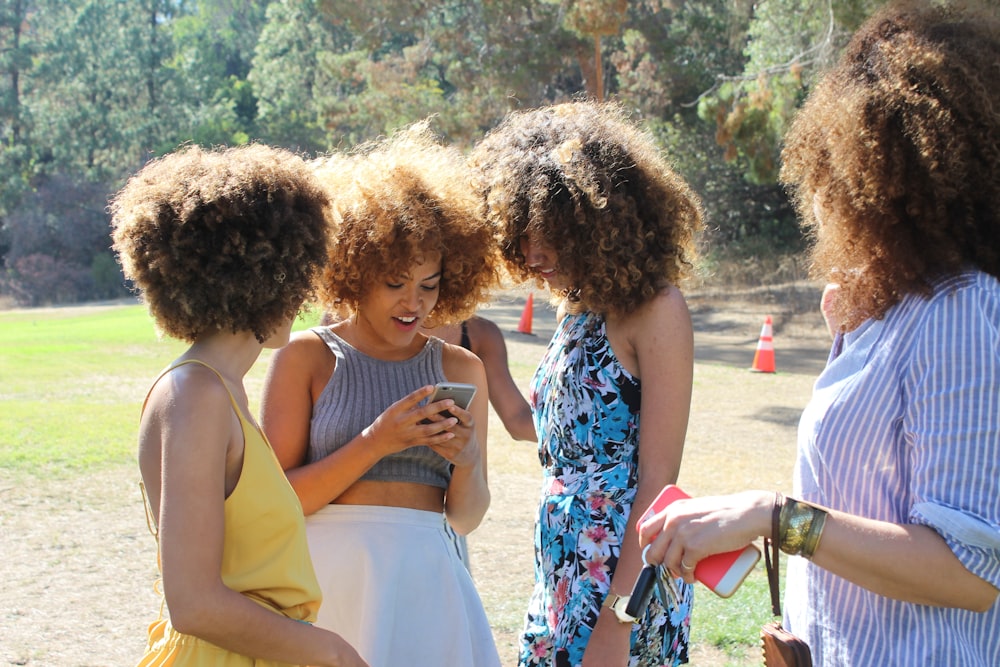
{"type": "Point", "coordinates": [483, 338]}
{"type": "Point", "coordinates": [582, 201]}
{"type": "Point", "coordinates": [224, 246]}
{"type": "Point", "coordinates": [344, 406]}
{"type": "Point", "coordinates": [894, 164]}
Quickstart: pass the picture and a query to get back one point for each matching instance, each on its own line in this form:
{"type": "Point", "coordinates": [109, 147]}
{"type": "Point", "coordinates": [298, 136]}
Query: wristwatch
{"type": "Point", "coordinates": [617, 604]}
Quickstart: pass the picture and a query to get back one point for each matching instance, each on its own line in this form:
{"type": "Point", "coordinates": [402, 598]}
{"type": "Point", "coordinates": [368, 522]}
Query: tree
{"type": "Point", "coordinates": [213, 50]}
{"type": "Point", "coordinates": [789, 42]}
{"type": "Point", "coordinates": [15, 154]}
{"type": "Point", "coordinates": [58, 237]}
{"type": "Point", "coordinates": [594, 19]}
{"type": "Point", "coordinates": [99, 92]}
{"type": "Point", "coordinates": [288, 76]}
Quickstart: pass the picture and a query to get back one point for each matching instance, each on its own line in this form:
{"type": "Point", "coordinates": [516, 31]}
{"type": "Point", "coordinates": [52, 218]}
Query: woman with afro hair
{"type": "Point", "coordinates": [345, 406]}
{"type": "Point", "coordinates": [224, 247]}
{"type": "Point", "coordinates": [582, 201]}
{"type": "Point", "coordinates": [894, 164]}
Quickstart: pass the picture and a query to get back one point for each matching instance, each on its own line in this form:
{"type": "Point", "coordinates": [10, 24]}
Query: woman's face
{"type": "Point", "coordinates": [542, 260]}
{"type": "Point", "coordinates": [396, 306]}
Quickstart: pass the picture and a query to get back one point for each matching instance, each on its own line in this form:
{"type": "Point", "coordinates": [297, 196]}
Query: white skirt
{"type": "Point", "coordinates": [395, 589]}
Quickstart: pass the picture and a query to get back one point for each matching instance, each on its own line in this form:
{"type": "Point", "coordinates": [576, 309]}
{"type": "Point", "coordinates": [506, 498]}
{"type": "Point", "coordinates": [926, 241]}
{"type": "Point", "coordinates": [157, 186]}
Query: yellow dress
{"type": "Point", "coordinates": [265, 555]}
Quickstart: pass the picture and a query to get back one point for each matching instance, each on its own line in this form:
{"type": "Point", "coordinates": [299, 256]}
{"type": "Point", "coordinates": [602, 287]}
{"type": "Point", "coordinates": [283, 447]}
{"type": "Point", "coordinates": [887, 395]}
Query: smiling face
{"type": "Point", "coordinates": [543, 261]}
{"type": "Point", "coordinates": [390, 314]}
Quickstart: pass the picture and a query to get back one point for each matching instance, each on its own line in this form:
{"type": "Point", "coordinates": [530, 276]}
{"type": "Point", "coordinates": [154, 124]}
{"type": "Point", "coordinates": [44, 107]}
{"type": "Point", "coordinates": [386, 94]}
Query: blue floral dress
{"type": "Point", "coordinates": [586, 410]}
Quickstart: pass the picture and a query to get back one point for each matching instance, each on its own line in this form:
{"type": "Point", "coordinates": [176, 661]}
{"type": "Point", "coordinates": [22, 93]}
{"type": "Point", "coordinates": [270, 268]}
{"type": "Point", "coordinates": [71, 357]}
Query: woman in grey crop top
{"type": "Point", "coordinates": [343, 406]}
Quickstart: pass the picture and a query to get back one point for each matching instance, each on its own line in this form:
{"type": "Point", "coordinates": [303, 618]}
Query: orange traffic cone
{"type": "Point", "coordinates": [763, 358]}
{"type": "Point", "coordinates": [524, 324]}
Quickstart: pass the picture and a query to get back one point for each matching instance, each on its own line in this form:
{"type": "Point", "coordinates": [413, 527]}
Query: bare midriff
{"type": "Point", "coordinates": [393, 494]}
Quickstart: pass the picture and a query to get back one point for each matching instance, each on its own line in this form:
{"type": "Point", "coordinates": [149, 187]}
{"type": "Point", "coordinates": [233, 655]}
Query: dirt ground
{"type": "Point", "coordinates": [78, 565]}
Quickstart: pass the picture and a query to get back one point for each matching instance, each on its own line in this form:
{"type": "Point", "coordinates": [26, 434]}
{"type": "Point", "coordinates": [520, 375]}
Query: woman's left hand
{"type": "Point", "coordinates": [463, 449]}
{"type": "Point", "coordinates": [688, 530]}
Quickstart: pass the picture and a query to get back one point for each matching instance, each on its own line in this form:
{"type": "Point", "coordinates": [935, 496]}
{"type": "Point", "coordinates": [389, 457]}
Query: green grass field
{"type": "Point", "coordinates": [72, 381]}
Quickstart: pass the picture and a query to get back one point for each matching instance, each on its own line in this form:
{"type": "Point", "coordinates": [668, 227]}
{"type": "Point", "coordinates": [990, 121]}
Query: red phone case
{"type": "Point", "coordinates": [721, 573]}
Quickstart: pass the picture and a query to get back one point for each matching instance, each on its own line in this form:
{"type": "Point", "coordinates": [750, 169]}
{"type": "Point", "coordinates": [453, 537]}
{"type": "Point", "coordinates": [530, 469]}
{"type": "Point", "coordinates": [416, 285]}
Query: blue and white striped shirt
{"type": "Point", "coordinates": [904, 426]}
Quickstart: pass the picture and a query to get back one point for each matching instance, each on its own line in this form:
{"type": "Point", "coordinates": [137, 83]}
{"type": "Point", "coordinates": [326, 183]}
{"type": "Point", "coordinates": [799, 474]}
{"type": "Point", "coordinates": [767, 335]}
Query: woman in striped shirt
{"type": "Point", "coordinates": [894, 163]}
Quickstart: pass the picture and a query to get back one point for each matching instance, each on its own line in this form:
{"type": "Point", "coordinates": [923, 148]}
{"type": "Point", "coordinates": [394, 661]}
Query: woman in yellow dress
{"type": "Point", "coordinates": [224, 246]}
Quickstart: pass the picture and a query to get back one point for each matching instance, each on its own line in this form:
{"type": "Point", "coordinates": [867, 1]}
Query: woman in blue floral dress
{"type": "Point", "coordinates": [582, 201]}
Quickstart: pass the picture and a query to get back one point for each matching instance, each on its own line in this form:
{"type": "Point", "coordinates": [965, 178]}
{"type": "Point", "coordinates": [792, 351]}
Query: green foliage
{"type": "Point", "coordinates": [106, 277]}
{"type": "Point", "coordinates": [788, 44]}
{"type": "Point", "coordinates": [97, 85]}
{"type": "Point", "coordinates": [212, 55]}
{"type": "Point", "coordinates": [91, 89]}
{"type": "Point", "coordinates": [751, 120]}
{"type": "Point", "coordinates": [288, 79]}
{"type": "Point", "coordinates": [16, 51]}
{"type": "Point", "coordinates": [53, 239]}
{"type": "Point", "coordinates": [742, 219]}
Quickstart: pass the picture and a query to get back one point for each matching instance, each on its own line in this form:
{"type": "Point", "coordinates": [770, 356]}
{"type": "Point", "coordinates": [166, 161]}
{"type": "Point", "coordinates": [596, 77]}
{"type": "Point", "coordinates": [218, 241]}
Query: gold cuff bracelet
{"type": "Point", "coordinates": [800, 528]}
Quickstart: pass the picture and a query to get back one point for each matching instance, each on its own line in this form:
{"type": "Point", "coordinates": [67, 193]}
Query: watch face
{"type": "Point", "coordinates": [619, 606]}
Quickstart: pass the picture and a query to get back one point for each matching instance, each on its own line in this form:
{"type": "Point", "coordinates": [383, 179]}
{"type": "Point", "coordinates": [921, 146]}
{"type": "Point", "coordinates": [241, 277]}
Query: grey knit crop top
{"type": "Point", "coordinates": [359, 390]}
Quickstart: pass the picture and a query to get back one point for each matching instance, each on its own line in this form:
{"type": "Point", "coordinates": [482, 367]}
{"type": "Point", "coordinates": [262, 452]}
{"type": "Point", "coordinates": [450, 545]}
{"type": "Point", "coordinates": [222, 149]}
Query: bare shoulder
{"type": "Point", "coordinates": [484, 334]}
{"type": "Point", "coordinates": [187, 387]}
{"type": "Point", "coordinates": [461, 365]}
{"type": "Point", "coordinates": [302, 349]}
{"type": "Point", "coordinates": [667, 311]}
{"type": "Point", "coordinates": [481, 327]}
{"type": "Point", "coordinates": [189, 397]}
{"type": "Point", "coordinates": [457, 355]}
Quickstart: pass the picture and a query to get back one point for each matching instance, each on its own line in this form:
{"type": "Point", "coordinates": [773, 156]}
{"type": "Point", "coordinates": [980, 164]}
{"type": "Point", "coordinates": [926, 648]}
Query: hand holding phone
{"type": "Point", "coordinates": [459, 392]}
{"type": "Point", "coordinates": [720, 573]}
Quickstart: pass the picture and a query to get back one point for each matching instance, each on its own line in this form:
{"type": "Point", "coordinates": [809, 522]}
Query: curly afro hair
{"type": "Point", "coordinates": [222, 240]}
{"type": "Point", "coordinates": [593, 186]}
{"type": "Point", "coordinates": [899, 147]}
{"type": "Point", "coordinates": [395, 201]}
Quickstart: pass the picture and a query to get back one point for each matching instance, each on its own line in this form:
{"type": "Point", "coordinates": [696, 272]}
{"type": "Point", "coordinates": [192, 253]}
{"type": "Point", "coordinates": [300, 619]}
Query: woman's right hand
{"type": "Point", "coordinates": [402, 426]}
{"type": "Point", "coordinates": [689, 530]}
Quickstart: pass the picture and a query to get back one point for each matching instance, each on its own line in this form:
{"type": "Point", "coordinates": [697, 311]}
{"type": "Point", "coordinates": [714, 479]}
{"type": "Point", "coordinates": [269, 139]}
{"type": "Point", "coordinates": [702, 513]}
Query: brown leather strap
{"type": "Point", "coordinates": [771, 554]}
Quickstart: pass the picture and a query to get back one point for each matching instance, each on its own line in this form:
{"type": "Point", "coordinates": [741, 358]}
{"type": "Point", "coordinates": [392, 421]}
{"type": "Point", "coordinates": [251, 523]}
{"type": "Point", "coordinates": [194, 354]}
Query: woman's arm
{"type": "Point", "coordinates": [468, 495]}
{"type": "Point", "coordinates": [893, 560]}
{"type": "Point", "coordinates": [659, 341]}
{"type": "Point", "coordinates": [188, 429]}
{"type": "Point", "coordinates": [505, 396]}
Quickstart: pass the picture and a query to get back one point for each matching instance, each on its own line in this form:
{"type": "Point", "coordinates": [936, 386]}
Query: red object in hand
{"type": "Point", "coordinates": [720, 573]}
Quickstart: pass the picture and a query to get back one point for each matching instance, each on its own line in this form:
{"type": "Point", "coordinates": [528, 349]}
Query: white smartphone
{"type": "Point", "coordinates": [459, 392]}
{"type": "Point", "coordinates": [720, 573]}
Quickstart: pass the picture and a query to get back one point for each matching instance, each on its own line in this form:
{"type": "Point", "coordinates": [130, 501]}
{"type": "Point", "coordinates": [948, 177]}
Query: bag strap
{"type": "Point", "coordinates": [771, 555]}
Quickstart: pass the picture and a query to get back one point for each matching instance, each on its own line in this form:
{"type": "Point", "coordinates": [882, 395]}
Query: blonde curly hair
{"type": "Point", "coordinates": [222, 240]}
{"type": "Point", "coordinates": [899, 146]}
{"type": "Point", "coordinates": [596, 189]}
{"type": "Point", "coordinates": [395, 201]}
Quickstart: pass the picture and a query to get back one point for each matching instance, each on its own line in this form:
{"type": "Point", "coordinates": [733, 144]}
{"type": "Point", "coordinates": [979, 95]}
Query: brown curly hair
{"type": "Point", "coordinates": [899, 146]}
{"type": "Point", "coordinates": [585, 179]}
{"type": "Point", "coordinates": [222, 240]}
{"type": "Point", "coordinates": [393, 202]}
